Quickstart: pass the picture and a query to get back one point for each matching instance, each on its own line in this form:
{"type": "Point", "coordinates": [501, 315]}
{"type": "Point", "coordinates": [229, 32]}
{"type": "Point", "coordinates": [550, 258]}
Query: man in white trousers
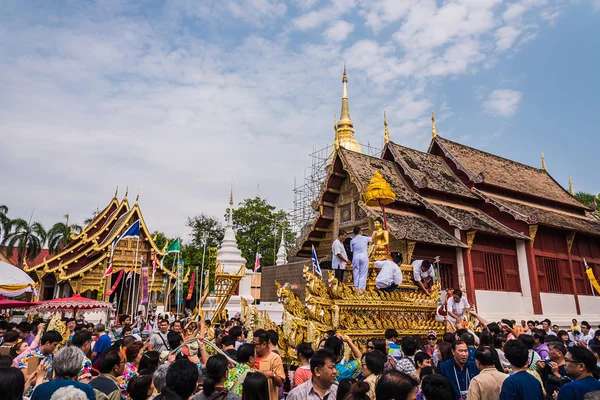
{"type": "Point", "coordinates": [360, 258]}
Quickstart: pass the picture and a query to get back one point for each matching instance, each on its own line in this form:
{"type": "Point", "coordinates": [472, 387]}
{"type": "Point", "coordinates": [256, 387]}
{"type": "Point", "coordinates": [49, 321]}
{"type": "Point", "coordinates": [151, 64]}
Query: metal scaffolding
{"type": "Point", "coordinates": [307, 192]}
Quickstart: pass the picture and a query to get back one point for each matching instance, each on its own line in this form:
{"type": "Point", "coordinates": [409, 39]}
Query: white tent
{"type": "Point", "coordinates": [14, 281]}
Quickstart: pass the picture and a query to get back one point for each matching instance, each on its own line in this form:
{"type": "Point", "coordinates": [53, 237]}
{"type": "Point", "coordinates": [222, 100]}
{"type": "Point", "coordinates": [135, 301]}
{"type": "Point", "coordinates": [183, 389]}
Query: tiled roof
{"type": "Point", "coordinates": [14, 259]}
{"type": "Point", "coordinates": [362, 167]}
{"type": "Point", "coordinates": [430, 170]}
{"type": "Point", "coordinates": [508, 174]}
{"type": "Point", "coordinates": [413, 227]}
{"type": "Point", "coordinates": [559, 219]}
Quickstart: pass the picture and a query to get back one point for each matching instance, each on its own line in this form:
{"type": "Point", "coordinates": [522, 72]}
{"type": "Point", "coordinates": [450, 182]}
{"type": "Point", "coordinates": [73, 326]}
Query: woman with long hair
{"type": "Point", "coordinates": [255, 387]}
{"type": "Point", "coordinates": [216, 372]}
{"type": "Point", "coordinates": [564, 337]}
{"type": "Point", "coordinates": [133, 355]}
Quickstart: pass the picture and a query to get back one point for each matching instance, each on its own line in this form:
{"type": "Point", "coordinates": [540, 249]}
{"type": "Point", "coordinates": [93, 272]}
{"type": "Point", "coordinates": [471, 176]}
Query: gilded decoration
{"type": "Point", "coordinates": [334, 305]}
{"type": "Point", "coordinates": [532, 232]}
{"type": "Point", "coordinates": [378, 191]}
{"type": "Point", "coordinates": [345, 213]}
{"type": "Point", "coordinates": [470, 240]}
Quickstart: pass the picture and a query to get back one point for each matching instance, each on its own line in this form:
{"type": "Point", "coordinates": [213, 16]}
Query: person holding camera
{"type": "Point", "coordinates": [553, 369]}
{"type": "Point", "coordinates": [581, 364]}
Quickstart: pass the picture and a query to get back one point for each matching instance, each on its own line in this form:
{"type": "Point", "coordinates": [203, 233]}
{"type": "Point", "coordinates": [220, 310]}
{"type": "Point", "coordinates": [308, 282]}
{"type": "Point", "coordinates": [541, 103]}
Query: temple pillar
{"type": "Point", "coordinates": [468, 265]}
{"type": "Point", "coordinates": [532, 271]}
{"type": "Point", "coordinates": [570, 239]}
{"type": "Point", "coordinates": [524, 274]}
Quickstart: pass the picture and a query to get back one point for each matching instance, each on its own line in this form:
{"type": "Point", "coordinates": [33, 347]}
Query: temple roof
{"type": "Point", "coordinates": [361, 168]}
{"type": "Point", "coordinates": [470, 218]}
{"type": "Point", "coordinates": [413, 227]}
{"type": "Point", "coordinates": [93, 245]}
{"type": "Point", "coordinates": [428, 171]}
{"type": "Point", "coordinates": [552, 217]}
{"type": "Point", "coordinates": [482, 167]}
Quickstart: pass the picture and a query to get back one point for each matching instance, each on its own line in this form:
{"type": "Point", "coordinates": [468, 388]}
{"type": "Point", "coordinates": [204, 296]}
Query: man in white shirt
{"type": "Point", "coordinates": [339, 258]}
{"type": "Point", "coordinates": [456, 306]}
{"type": "Point", "coordinates": [587, 333]}
{"type": "Point", "coordinates": [546, 325]}
{"type": "Point", "coordinates": [423, 275]}
{"type": "Point", "coordinates": [360, 258]}
{"type": "Point", "coordinates": [390, 276]}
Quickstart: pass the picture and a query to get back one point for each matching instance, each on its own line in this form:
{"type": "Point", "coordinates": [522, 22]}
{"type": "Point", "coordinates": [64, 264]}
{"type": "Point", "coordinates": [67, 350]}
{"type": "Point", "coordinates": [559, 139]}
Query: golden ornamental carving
{"type": "Point", "coordinates": [410, 248]}
{"type": "Point", "coordinates": [570, 240]}
{"type": "Point", "coordinates": [378, 191]}
{"type": "Point", "coordinates": [470, 240]}
{"type": "Point", "coordinates": [433, 128]}
{"type": "Point", "coordinates": [532, 232]}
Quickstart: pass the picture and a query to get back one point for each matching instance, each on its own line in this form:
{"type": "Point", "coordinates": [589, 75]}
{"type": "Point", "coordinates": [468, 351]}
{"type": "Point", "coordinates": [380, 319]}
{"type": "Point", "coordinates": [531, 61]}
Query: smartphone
{"type": "Point", "coordinates": [32, 364]}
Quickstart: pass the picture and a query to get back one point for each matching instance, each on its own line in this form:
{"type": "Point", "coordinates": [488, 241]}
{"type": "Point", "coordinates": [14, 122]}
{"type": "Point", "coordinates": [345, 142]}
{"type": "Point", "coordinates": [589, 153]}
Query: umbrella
{"type": "Point", "coordinates": [14, 281]}
{"type": "Point", "coordinates": [6, 304]}
{"type": "Point", "coordinates": [74, 303]}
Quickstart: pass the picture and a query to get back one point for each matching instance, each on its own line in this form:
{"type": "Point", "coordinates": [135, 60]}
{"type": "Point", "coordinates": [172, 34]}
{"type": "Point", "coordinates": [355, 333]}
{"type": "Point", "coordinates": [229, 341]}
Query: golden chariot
{"type": "Point", "coordinates": [333, 305]}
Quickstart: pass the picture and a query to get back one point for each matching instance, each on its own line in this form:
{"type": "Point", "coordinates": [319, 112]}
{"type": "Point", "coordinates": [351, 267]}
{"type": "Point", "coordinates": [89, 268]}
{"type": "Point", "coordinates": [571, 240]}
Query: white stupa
{"type": "Point", "coordinates": [282, 253]}
{"type": "Point", "coordinates": [229, 255]}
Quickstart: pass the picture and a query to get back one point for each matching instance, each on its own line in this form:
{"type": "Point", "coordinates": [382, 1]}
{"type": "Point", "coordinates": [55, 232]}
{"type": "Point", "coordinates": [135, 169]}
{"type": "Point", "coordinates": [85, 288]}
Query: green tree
{"type": "Point", "coordinates": [258, 230]}
{"type": "Point", "coordinates": [59, 236]}
{"type": "Point", "coordinates": [27, 237]}
{"type": "Point", "coordinates": [204, 225]}
{"type": "Point", "coordinates": [89, 220]}
{"type": "Point", "coordinates": [587, 198]}
{"type": "Point", "coordinates": [160, 239]}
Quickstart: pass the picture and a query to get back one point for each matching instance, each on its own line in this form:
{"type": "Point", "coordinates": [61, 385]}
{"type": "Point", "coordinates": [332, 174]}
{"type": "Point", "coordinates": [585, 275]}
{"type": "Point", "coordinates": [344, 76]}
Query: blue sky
{"type": "Point", "coordinates": [181, 98]}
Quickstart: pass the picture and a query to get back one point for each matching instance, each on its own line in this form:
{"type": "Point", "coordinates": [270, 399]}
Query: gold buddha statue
{"type": "Point", "coordinates": [379, 249]}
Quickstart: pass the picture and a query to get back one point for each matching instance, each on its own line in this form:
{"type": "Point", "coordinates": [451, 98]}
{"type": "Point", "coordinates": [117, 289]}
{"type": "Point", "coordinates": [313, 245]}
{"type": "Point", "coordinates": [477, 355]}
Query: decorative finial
{"type": "Point", "coordinates": [345, 127]}
{"type": "Point", "coordinates": [386, 135]}
{"type": "Point", "coordinates": [126, 191]}
{"type": "Point", "coordinates": [571, 187]}
{"type": "Point", "coordinates": [231, 196]}
{"type": "Point", "coordinates": [433, 129]}
{"type": "Point", "coordinates": [344, 78]}
{"type": "Point", "coordinates": [543, 161]}
{"type": "Point", "coordinates": [336, 141]}
{"type": "Point", "coordinates": [116, 191]}
{"type": "Point", "coordinates": [137, 197]}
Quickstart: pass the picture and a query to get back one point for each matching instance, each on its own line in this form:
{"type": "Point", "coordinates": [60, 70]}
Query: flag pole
{"type": "Point", "coordinates": [135, 290]}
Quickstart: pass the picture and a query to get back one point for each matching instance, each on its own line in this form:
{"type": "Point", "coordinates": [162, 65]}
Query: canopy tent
{"type": "Point", "coordinates": [14, 281]}
{"type": "Point", "coordinates": [74, 303]}
{"type": "Point", "coordinates": [7, 304]}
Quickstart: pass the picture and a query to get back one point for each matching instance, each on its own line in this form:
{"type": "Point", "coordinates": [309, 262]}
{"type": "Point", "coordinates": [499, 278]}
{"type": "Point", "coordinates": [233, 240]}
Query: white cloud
{"type": "Point", "coordinates": [502, 102]}
{"type": "Point", "coordinates": [505, 37]}
{"type": "Point", "coordinates": [514, 11]}
{"type": "Point", "coordinates": [339, 31]}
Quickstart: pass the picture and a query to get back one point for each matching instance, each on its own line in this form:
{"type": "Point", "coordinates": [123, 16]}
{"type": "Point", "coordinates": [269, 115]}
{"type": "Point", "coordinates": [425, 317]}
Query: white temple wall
{"type": "Point", "coordinates": [494, 305]}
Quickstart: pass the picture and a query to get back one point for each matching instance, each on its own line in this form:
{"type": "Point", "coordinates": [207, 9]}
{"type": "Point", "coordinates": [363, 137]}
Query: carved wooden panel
{"type": "Point", "coordinates": [345, 213]}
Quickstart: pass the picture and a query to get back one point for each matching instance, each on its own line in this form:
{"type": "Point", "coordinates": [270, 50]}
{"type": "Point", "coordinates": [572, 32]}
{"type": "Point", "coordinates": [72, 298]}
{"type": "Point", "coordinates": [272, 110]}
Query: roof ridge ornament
{"type": "Point", "coordinates": [137, 197]}
{"type": "Point", "coordinates": [543, 161]}
{"type": "Point", "coordinates": [433, 128]}
{"type": "Point", "coordinates": [386, 132]}
{"type": "Point", "coordinates": [126, 191]}
{"type": "Point", "coordinates": [117, 191]}
{"type": "Point", "coordinates": [571, 192]}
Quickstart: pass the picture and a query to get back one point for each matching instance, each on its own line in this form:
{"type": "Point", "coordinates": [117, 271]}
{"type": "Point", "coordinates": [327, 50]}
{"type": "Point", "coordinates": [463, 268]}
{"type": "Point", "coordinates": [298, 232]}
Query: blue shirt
{"type": "Point", "coordinates": [359, 244]}
{"type": "Point", "coordinates": [577, 389]}
{"type": "Point", "coordinates": [460, 379]}
{"type": "Point", "coordinates": [521, 386]}
{"type": "Point", "coordinates": [348, 370]}
{"type": "Point", "coordinates": [102, 345]}
{"type": "Point", "coordinates": [471, 354]}
{"type": "Point", "coordinates": [45, 390]}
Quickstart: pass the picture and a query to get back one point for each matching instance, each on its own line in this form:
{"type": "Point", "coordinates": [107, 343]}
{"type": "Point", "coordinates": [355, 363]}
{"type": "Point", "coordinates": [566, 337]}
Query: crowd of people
{"type": "Point", "coordinates": [501, 360]}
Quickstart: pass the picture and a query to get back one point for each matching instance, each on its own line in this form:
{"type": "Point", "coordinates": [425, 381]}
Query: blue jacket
{"type": "Point", "coordinates": [452, 371]}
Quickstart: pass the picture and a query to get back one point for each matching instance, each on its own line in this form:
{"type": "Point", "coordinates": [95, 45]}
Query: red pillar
{"type": "Point", "coordinates": [469, 279]}
{"type": "Point", "coordinates": [572, 273]}
{"type": "Point", "coordinates": [533, 280]}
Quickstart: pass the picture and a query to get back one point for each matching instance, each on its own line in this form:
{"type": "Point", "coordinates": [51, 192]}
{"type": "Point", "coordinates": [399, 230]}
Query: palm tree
{"type": "Point", "coordinates": [88, 221]}
{"type": "Point", "coordinates": [4, 220]}
{"type": "Point", "coordinates": [28, 238]}
{"type": "Point", "coordinates": [59, 236]}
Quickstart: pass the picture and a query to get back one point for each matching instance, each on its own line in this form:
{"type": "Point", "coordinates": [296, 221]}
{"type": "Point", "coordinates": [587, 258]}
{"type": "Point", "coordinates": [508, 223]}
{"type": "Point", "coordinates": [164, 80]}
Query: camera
{"type": "Point", "coordinates": [558, 381]}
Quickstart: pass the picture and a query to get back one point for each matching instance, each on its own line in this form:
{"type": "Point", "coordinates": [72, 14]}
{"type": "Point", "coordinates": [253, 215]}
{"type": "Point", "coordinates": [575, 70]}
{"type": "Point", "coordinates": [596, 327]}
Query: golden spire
{"type": "Point", "coordinates": [571, 187]}
{"type": "Point", "coordinates": [231, 195]}
{"type": "Point", "coordinates": [126, 191]}
{"type": "Point", "coordinates": [116, 191]}
{"type": "Point", "coordinates": [345, 127]}
{"type": "Point", "coordinates": [543, 161]}
{"type": "Point", "coordinates": [336, 141]}
{"type": "Point", "coordinates": [433, 129]}
{"type": "Point", "coordinates": [386, 134]}
{"type": "Point", "coordinates": [137, 198]}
